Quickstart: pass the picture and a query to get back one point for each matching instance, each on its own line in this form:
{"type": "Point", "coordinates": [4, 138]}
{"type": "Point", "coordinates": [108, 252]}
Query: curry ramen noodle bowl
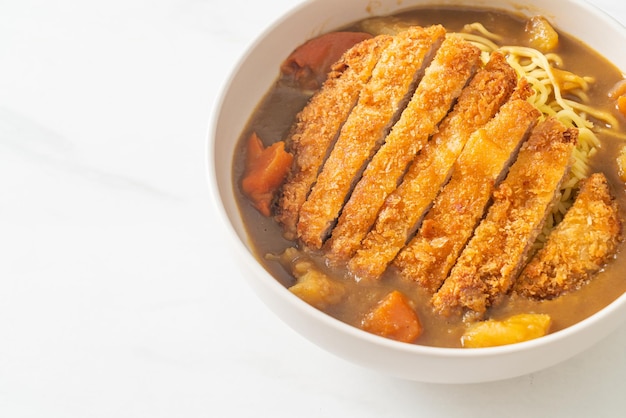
{"type": "Point", "coordinates": [303, 240]}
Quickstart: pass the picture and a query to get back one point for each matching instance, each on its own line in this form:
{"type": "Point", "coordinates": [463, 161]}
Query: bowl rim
{"type": "Point", "coordinates": [269, 281]}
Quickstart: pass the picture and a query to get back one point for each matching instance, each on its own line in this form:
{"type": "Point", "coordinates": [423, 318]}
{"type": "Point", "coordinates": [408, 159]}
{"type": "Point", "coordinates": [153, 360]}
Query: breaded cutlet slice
{"type": "Point", "coordinates": [444, 79]}
{"type": "Point", "coordinates": [402, 209]}
{"type": "Point", "coordinates": [380, 102]}
{"type": "Point", "coordinates": [318, 124]}
{"type": "Point", "coordinates": [578, 247]}
{"type": "Point", "coordinates": [494, 256]}
{"type": "Point", "coordinates": [456, 211]}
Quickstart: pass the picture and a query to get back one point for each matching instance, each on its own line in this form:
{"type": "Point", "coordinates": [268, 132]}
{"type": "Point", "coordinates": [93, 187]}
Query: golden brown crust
{"type": "Point", "coordinates": [444, 79]}
{"type": "Point", "coordinates": [366, 126]}
{"type": "Point", "coordinates": [578, 247]}
{"type": "Point", "coordinates": [477, 104]}
{"type": "Point", "coordinates": [429, 256]}
{"type": "Point", "coordinates": [490, 262]}
{"type": "Point", "coordinates": [316, 126]}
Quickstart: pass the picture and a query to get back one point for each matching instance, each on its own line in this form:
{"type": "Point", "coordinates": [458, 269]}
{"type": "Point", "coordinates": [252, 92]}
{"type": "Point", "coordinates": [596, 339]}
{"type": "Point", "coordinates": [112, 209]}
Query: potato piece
{"type": "Point", "coordinates": [515, 329]}
{"type": "Point", "coordinates": [542, 35]}
{"type": "Point", "coordinates": [394, 318]}
{"type": "Point", "coordinates": [568, 81]}
{"type": "Point", "coordinates": [386, 25]}
{"type": "Point", "coordinates": [313, 286]}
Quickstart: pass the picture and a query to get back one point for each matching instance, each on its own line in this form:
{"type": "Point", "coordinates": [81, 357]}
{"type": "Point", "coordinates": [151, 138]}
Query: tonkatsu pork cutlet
{"type": "Point", "coordinates": [497, 251]}
{"type": "Point", "coordinates": [453, 65]}
{"type": "Point", "coordinates": [380, 101]}
{"type": "Point", "coordinates": [456, 211]}
{"type": "Point", "coordinates": [317, 125]}
{"type": "Point", "coordinates": [400, 212]}
{"type": "Point", "coordinates": [579, 245]}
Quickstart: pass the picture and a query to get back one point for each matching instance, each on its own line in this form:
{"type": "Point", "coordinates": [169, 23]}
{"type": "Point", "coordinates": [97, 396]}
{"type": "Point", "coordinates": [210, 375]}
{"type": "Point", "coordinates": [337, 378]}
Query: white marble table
{"type": "Point", "coordinates": [116, 297]}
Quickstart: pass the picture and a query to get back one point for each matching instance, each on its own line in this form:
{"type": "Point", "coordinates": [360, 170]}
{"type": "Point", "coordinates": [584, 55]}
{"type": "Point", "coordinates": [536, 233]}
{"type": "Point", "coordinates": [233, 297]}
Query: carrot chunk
{"type": "Point", "coordinates": [265, 171]}
{"type": "Point", "coordinates": [309, 64]}
{"type": "Point", "coordinates": [621, 105]}
{"type": "Point", "coordinates": [254, 149]}
{"type": "Point", "coordinates": [393, 317]}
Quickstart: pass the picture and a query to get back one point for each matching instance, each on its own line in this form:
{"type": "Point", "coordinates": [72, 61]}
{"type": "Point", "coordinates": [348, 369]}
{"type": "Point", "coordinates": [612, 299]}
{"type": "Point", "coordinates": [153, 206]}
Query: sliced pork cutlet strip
{"type": "Point", "coordinates": [402, 209]}
{"type": "Point", "coordinates": [578, 247]}
{"type": "Point", "coordinates": [380, 102]}
{"type": "Point", "coordinates": [318, 124]}
{"type": "Point", "coordinates": [459, 207]}
{"type": "Point", "coordinates": [497, 251]}
{"type": "Point", "coordinates": [444, 79]}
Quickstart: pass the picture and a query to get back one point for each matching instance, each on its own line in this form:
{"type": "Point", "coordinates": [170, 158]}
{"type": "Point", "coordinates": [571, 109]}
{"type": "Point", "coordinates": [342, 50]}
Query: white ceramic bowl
{"type": "Point", "coordinates": [252, 78]}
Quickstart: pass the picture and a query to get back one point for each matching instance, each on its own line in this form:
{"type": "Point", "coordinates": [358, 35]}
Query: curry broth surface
{"type": "Point", "coordinates": [277, 111]}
